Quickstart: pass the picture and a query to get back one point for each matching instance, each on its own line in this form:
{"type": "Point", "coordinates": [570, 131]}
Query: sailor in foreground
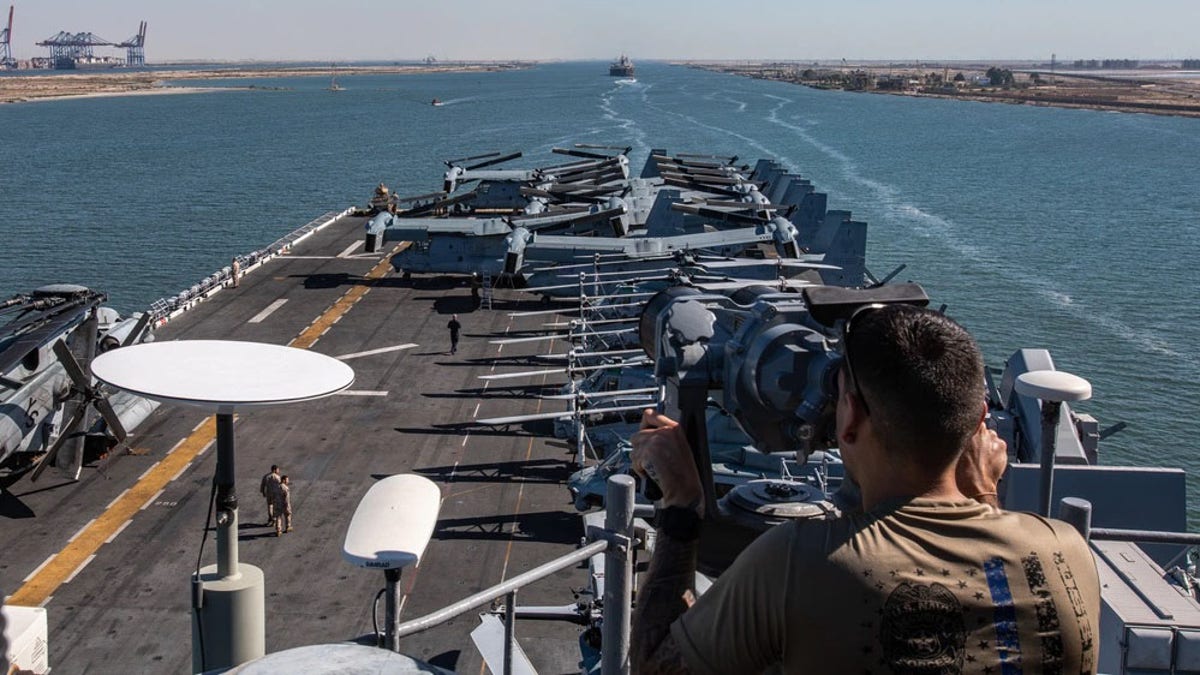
{"type": "Point", "coordinates": [931, 576]}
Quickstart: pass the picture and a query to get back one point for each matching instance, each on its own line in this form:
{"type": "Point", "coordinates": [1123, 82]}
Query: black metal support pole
{"type": "Point", "coordinates": [510, 630]}
{"type": "Point", "coordinates": [391, 633]}
{"type": "Point", "coordinates": [1050, 413]}
{"type": "Point", "coordinates": [227, 546]}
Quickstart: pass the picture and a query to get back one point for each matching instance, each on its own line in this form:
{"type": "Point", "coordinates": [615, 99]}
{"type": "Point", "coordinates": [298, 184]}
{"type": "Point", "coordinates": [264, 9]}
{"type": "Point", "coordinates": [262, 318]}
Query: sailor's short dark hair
{"type": "Point", "coordinates": [274, 467]}
{"type": "Point", "coordinates": [923, 379]}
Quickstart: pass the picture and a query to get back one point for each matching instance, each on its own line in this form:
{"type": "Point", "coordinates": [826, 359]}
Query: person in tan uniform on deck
{"type": "Point", "coordinates": [283, 507]}
{"type": "Point", "coordinates": [929, 577]}
{"type": "Point", "coordinates": [268, 487]}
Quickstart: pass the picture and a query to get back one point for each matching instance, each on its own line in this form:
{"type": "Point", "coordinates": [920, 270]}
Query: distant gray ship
{"type": "Point", "coordinates": [622, 67]}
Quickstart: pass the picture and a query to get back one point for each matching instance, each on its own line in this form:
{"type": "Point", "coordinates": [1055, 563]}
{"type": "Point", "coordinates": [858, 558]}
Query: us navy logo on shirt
{"type": "Point", "coordinates": [922, 630]}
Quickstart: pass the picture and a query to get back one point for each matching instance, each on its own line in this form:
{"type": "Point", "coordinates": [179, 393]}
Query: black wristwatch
{"type": "Point", "coordinates": [679, 523]}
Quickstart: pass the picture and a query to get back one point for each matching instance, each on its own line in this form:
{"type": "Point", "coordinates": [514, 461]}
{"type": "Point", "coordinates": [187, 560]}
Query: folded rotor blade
{"type": "Point", "coordinates": [68, 431]}
{"type": "Point", "coordinates": [566, 415]}
{"type": "Point", "coordinates": [74, 371]}
{"type": "Point", "coordinates": [561, 336]}
{"type": "Point", "coordinates": [453, 162]}
{"type": "Point", "coordinates": [552, 371]}
{"type": "Point", "coordinates": [110, 418]}
{"type": "Point", "coordinates": [602, 394]}
{"type": "Point", "coordinates": [139, 328]}
{"type": "Point", "coordinates": [563, 356]}
{"type": "Point", "coordinates": [490, 162]}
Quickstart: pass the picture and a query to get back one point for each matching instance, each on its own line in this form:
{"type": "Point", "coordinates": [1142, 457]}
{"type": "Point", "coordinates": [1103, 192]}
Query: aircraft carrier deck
{"type": "Point", "coordinates": [110, 557]}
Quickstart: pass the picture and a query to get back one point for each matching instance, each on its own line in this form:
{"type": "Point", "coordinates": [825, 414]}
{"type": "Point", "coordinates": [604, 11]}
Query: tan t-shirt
{"type": "Point", "coordinates": [914, 586]}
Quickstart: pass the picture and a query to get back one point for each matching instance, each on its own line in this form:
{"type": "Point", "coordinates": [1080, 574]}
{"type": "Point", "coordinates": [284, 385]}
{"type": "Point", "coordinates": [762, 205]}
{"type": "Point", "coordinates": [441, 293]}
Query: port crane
{"type": "Point", "coordinates": [6, 57]}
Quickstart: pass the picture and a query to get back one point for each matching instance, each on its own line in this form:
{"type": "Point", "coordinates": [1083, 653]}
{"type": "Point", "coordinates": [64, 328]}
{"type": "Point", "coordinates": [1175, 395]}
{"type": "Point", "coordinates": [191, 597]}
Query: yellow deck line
{"type": "Point", "coordinates": [309, 336]}
{"type": "Point", "coordinates": [43, 584]}
{"type": "Point", "coordinates": [55, 572]}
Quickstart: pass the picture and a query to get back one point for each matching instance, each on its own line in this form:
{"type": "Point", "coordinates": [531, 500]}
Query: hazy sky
{"type": "Point", "coordinates": [344, 30]}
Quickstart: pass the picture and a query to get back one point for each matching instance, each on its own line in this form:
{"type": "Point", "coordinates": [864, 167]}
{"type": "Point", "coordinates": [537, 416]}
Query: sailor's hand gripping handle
{"type": "Point", "coordinates": [663, 460]}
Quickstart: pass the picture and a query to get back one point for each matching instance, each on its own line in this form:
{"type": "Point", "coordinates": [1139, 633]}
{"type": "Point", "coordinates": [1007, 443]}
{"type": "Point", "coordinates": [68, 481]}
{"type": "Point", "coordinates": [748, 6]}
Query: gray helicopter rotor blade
{"type": "Point", "coordinates": [110, 418]}
{"type": "Point", "coordinates": [590, 322]}
{"type": "Point", "coordinates": [74, 371]}
{"type": "Point", "coordinates": [750, 262]}
{"type": "Point", "coordinates": [84, 384]}
{"type": "Point", "coordinates": [602, 394]}
{"type": "Point", "coordinates": [545, 312]}
{"type": "Point", "coordinates": [554, 371]}
{"type": "Point", "coordinates": [68, 431]}
{"type": "Point", "coordinates": [558, 287]}
{"type": "Point", "coordinates": [563, 356]}
{"type": "Point", "coordinates": [576, 309]}
{"type": "Point", "coordinates": [135, 335]}
{"type": "Point", "coordinates": [560, 336]}
{"type": "Point", "coordinates": [514, 419]}
{"type": "Point", "coordinates": [588, 277]}
{"type": "Point", "coordinates": [565, 415]}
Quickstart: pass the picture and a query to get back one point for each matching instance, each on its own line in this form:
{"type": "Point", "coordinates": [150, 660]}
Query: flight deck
{"type": "Point", "coordinates": [110, 557]}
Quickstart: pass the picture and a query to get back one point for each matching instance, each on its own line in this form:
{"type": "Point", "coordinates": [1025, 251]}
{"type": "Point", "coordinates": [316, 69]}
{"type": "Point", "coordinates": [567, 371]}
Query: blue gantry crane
{"type": "Point", "coordinates": [71, 50]}
{"type": "Point", "coordinates": [6, 57]}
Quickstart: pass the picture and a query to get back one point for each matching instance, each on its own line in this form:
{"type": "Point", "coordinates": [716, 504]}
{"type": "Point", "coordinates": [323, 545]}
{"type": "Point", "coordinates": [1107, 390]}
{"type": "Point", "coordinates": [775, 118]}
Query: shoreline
{"type": "Point", "coordinates": [93, 84]}
{"type": "Point", "coordinates": [1164, 96]}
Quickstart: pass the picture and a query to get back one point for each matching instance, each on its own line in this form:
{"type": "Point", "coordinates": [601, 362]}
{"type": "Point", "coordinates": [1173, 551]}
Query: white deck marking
{"type": "Point", "coordinates": [258, 318]}
{"type": "Point", "coordinates": [152, 499]}
{"type": "Point", "coordinates": [119, 531]}
{"type": "Point", "coordinates": [110, 504]}
{"type": "Point", "coordinates": [80, 531]}
{"type": "Point", "coordinates": [351, 248]}
{"type": "Point", "coordinates": [39, 568]}
{"type": "Point", "coordinates": [381, 350]}
{"type": "Point", "coordinates": [360, 392]}
{"type": "Point", "coordinates": [147, 471]}
{"type": "Point", "coordinates": [79, 569]}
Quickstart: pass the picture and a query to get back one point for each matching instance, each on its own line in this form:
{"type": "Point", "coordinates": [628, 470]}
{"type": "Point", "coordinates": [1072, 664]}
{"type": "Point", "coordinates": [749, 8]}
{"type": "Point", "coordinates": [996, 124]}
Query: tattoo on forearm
{"type": "Point", "coordinates": [660, 601]}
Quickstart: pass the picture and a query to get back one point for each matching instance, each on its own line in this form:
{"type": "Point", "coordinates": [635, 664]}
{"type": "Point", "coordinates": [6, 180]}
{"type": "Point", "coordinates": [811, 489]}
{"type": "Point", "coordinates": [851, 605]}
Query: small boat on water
{"type": "Point", "coordinates": [436, 102]}
{"type": "Point", "coordinates": [334, 86]}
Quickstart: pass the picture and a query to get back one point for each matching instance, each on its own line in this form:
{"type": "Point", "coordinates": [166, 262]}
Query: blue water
{"type": "Point", "coordinates": [1072, 230]}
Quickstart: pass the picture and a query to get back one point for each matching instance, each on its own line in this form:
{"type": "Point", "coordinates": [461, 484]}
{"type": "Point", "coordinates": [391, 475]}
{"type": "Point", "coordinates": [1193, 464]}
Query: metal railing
{"type": "Point", "coordinates": [164, 308]}
{"type": "Point", "coordinates": [615, 540]}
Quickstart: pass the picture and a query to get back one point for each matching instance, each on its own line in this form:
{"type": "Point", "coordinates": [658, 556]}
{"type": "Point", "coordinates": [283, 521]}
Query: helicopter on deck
{"type": "Point", "coordinates": [51, 411]}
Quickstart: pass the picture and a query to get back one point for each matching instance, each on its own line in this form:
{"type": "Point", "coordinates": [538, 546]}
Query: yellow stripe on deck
{"type": "Point", "coordinates": [310, 335]}
{"type": "Point", "coordinates": [63, 564]}
{"type": "Point", "coordinates": [42, 584]}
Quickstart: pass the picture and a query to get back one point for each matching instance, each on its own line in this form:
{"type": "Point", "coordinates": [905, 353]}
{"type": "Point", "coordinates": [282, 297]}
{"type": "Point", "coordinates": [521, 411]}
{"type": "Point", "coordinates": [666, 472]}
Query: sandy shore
{"type": "Point", "coordinates": [39, 87]}
{"type": "Point", "coordinates": [1175, 93]}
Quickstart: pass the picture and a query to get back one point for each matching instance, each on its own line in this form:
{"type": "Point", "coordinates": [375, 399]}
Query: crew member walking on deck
{"type": "Point", "coordinates": [236, 272]}
{"type": "Point", "coordinates": [283, 507]}
{"type": "Point", "coordinates": [454, 327]}
{"type": "Point", "coordinates": [268, 488]}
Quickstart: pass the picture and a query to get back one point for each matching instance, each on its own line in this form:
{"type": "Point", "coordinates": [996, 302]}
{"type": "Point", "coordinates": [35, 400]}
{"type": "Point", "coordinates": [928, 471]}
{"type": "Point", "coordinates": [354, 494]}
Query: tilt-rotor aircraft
{"type": "Point", "coordinates": [686, 203]}
{"type": "Point", "coordinates": [580, 197]}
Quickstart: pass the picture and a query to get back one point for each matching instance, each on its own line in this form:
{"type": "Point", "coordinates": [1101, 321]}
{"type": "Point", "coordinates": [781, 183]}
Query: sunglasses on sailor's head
{"type": "Point", "coordinates": [847, 330]}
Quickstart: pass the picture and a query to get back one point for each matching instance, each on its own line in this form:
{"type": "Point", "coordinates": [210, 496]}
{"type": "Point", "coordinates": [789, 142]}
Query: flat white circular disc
{"type": "Point", "coordinates": [222, 374]}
